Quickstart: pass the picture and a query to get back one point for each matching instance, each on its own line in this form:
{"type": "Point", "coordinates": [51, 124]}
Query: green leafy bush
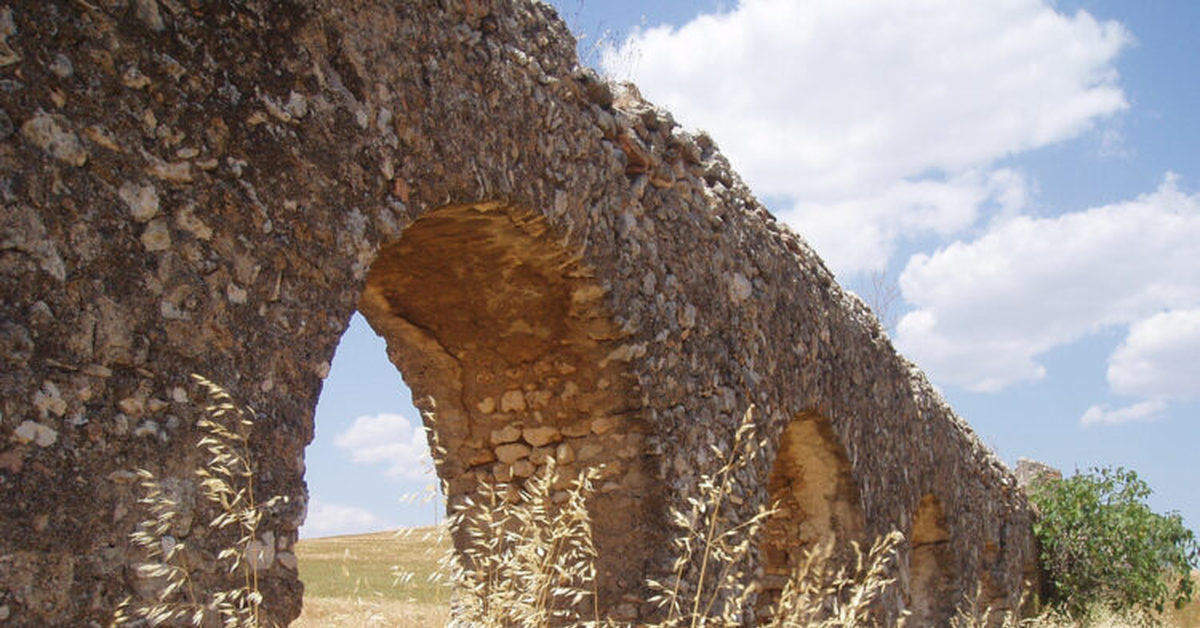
{"type": "Point", "coordinates": [1103, 546]}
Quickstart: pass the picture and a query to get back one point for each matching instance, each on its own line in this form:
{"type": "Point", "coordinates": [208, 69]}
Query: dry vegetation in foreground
{"type": "Point", "coordinates": [530, 560]}
{"type": "Point", "coordinates": [348, 580]}
{"type": "Point", "coordinates": [325, 612]}
{"type": "Point", "coordinates": [348, 584]}
{"type": "Point", "coordinates": [1188, 616]}
{"type": "Point", "coordinates": [360, 566]}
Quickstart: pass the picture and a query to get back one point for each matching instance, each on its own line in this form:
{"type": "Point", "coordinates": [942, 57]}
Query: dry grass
{"type": "Point", "coordinates": [364, 555]}
{"type": "Point", "coordinates": [529, 559]}
{"type": "Point", "coordinates": [818, 597]}
{"type": "Point", "coordinates": [713, 544]}
{"type": "Point", "coordinates": [350, 580]}
{"type": "Point", "coordinates": [1188, 616]}
{"type": "Point", "coordinates": [531, 563]}
{"type": "Point", "coordinates": [361, 566]}
{"type": "Point", "coordinates": [344, 612]}
{"type": "Point", "coordinates": [1100, 619]}
{"type": "Point", "coordinates": [168, 570]}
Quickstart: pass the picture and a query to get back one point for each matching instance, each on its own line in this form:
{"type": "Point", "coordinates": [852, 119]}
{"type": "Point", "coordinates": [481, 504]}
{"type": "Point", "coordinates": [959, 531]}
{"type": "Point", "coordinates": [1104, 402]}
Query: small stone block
{"type": "Point", "coordinates": [539, 436]}
{"type": "Point", "coordinates": [512, 452]}
{"type": "Point", "coordinates": [506, 434]}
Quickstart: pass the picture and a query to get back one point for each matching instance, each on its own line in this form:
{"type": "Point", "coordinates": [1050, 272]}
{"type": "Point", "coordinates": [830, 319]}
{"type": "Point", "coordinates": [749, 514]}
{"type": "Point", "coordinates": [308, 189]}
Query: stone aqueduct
{"type": "Point", "coordinates": [216, 186]}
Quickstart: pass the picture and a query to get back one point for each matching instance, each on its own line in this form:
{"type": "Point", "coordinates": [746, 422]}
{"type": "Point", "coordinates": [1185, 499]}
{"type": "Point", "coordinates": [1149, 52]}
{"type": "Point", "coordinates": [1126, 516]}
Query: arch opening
{"type": "Point", "coordinates": [505, 340]}
{"type": "Point", "coordinates": [818, 505]}
{"type": "Point", "coordinates": [367, 473]}
{"type": "Point", "coordinates": [932, 598]}
{"type": "Point", "coordinates": [365, 428]}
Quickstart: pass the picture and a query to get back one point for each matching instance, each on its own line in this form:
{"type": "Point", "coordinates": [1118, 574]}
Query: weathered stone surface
{"type": "Point", "coordinates": [36, 433]}
{"type": "Point", "coordinates": [511, 452]}
{"type": "Point", "coordinates": [541, 435]}
{"type": "Point", "coordinates": [512, 401]}
{"type": "Point", "coordinates": [538, 248]}
{"type": "Point", "coordinates": [507, 434]}
{"type": "Point", "coordinates": [522, 468]}
{"type": "Point", "coordinates": [579, 428]}
{"type": "Point", "coordinates": [564, 453]}
{"type": "Point", "coordinates": [1031, 472]}
{"type": "Point", "coordinates": [604, 424]}
{"type": "Point", "coordinates": [141, 199]}
{"type": "Point", "coordinates": [52, 133]}
{"type": "Point", "coordinates": [287, 560]}
{"type": "Point", "coordinates": [156, 236]}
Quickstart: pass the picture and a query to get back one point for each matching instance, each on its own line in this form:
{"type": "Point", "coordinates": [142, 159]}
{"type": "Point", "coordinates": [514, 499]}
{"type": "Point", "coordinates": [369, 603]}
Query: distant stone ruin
{"type": "Point", "coordinates": [215, 187]}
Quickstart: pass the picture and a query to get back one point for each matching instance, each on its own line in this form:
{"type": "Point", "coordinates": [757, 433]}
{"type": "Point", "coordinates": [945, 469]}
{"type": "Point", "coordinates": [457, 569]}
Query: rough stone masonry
{"type": "Point", "coordinates": [559, 270]}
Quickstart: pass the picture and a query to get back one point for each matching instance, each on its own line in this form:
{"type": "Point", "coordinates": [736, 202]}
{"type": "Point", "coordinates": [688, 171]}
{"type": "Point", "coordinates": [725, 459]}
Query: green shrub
{"type": "Point", "coordinates": [1103, 546]}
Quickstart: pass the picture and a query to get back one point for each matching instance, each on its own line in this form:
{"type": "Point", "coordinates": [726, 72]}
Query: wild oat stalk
{"type": "Point", "coordinates": [1099, 616]}
{"type": "Point", "coordinates": [431, 539]}
{"type": "Point", "coordinates": [176, 600]}
{"type": "Point", "coordinates": [711, 534]}
{"type": "Point", "coordinates": [970, 614]}
{"type": "Point", "coordinates": [227, 481]}
{"type": "Point", "coordinates": [816, 597]}
{"type": "Point", "coordinates": [528, 561]}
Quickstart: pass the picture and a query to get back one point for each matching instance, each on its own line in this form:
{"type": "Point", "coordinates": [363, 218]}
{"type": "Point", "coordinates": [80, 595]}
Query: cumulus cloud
{"type": "Point", "coordinates": [985, 310]}
{"type": "Point", "coordinates": [332, 520]}
{"type": "Point", "coordinates": [881, 120]}
{"type": "Point", "coordinates": [1144, 411]}
{"type": "Point", "coordinates": [860, 233]}
{"type": "Point", "coordinates": [1160, 358]}
{"type": "Point", "coordinates": [389, 439]}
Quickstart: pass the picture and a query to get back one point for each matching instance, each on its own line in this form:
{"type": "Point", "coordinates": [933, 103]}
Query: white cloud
{"type": "Point", "coordinates": [1144, 411]}
{"type": "Point", "coordinates": [859, 233]}
{"type": "Point", "coordinates": [1161, 356]}
{"type": "Point", "coordinates": [332, 520]}
{"type": "Point", "coordinates": [845, 109]}
{"type": "Point", "coordinates": [390, 439]}
{"type": "Point", "coordinates": [986, 309]}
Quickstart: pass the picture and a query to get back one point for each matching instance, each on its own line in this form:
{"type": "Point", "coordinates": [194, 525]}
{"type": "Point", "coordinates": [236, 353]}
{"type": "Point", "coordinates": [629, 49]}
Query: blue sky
{"type": "Point", "coordinates": [1026, 172]}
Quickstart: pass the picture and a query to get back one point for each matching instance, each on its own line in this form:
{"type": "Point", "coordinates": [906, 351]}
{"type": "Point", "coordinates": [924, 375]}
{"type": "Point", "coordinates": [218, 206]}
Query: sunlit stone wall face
{"type": "Point", "coordinates": [506, 343]}
{"type": "Point", "coordinates": [818, 508]}
{"type": "Point", "coordinates": [216, 187]}
{"type": "Point", "coordinates": [931, 594]}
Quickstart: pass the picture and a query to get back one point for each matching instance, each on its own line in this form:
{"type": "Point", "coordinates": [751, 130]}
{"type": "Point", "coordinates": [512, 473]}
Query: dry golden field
{"type": "Point", "coordinates": [349, 583]}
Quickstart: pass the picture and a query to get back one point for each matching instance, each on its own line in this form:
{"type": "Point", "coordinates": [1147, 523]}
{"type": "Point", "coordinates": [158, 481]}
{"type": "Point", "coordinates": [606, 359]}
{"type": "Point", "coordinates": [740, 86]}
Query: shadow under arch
{"type": "Point", "coordinates": [931, 597]}
{"type": "Point", "coordinates": [503, 336]}
{"type": "Point", "coordinates": [818, 504]}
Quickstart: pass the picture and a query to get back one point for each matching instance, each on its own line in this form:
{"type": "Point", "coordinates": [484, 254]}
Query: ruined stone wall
{"type": "Point", "coordinates": [559, 270]}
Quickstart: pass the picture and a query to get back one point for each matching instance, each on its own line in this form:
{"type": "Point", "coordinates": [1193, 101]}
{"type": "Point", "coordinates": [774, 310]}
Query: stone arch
{"type": "Point", "coordinates": [504, 339]}
{"type": "Point", "coordinates": [818, 502]}
{"type": "Point", "coordinates": [216, 190]}
{"type": "Point", "coordinates": [932, 595]}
